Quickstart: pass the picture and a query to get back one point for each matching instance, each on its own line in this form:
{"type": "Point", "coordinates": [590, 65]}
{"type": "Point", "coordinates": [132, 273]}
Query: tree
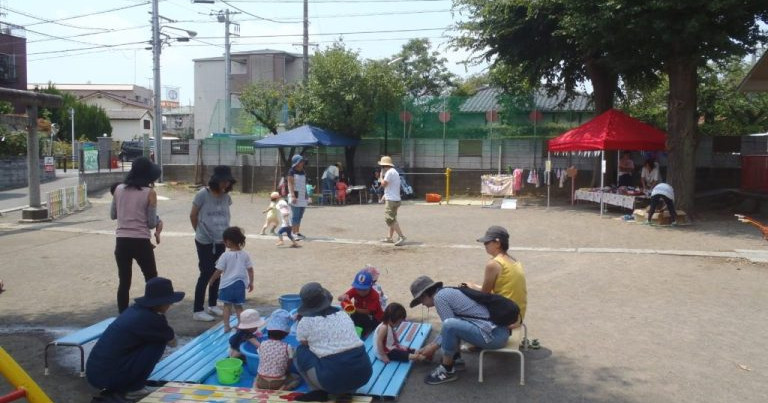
{"type": "Point", "coordinates": [90, 121]}
{"type": "Point", "coordinates": [467, 87]}
{"type": "Point", "coordinates": [423, 70]}
{"type": "Point", "coordinates": [679, 38]}
{"type": "Point", "coordinates": [344, 93]}
{"type": "Point", "coordinates": [265, 101]}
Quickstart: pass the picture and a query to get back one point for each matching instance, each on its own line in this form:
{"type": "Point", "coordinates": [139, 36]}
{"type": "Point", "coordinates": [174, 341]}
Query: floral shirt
{"type": "Point", "coordinates": [274, 358]}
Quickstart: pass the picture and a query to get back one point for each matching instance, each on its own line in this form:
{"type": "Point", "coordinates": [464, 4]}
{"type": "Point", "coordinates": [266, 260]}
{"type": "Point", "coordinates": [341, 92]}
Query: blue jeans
{"type": "Point", "coordinates": [338, 373]}
{"type": "Point", "coordinates": [297, 213]}
{"type": "Point", "coordinates": [455, 330]}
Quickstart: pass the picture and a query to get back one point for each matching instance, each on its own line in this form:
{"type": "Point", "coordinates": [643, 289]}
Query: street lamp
{"type": "Point", "coordinates": [157, 44]}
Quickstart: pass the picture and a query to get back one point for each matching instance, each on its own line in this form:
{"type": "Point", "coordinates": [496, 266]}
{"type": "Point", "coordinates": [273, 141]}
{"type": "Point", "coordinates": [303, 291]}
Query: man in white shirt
{"type": "Point", "coordinates": [390, 181]}
{"type": "Point", "coordinates": [330, 177]}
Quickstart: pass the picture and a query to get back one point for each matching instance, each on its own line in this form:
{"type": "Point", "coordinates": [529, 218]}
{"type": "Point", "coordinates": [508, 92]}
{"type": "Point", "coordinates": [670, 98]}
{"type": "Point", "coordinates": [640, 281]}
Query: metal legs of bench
{"type": "Point", "coordinates": [512, 347]}
{"type": "Point", "coordinates": [82, 356]}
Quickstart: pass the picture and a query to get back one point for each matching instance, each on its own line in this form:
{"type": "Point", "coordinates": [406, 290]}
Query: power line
{"type": "Point", "coordinates": [253, 15]}
{"type": "Point", "coordinates": [43, 20]}
{"type": "Point", "coordinates": [108, 31]}
{"type": "Point", "coordinates": [334, 1]}
{"type": "Point", "coordinates": [93, 13]}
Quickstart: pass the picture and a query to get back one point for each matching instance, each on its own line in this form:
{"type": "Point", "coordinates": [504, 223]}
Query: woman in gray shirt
{"type": "Point", "coordinates": [210, 217]}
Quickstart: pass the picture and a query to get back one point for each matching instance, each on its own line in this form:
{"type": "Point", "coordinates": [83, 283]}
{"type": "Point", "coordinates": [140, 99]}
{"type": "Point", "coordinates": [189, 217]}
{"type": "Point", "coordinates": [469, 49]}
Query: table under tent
{"type": "Point", "coordinates": [610, 131]}
{"type": "Point", "coordinates": [307, 136]}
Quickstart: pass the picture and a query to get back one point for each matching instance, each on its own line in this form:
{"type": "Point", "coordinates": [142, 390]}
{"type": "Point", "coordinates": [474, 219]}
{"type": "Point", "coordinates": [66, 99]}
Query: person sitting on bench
{"type": "Point", "coordinates": [123, 358]}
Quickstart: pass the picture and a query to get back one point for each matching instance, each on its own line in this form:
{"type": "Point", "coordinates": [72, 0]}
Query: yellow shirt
{"type": "Point", "coordinates": [511, 283]}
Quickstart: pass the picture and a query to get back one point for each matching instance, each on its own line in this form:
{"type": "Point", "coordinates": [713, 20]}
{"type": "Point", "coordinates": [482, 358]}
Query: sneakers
{"type": "Point", "coordinates": [202, 317]}
{"type": "Point", "coordinates": [459, 365]}
{"type": "Point", "coordinates": [387, 240]}
{"type": "Point", "coordinates": [400, 241]}
{"type": "Point", "coordinates": [214, 310]}
{"type": "Point", "coordinates": [139, 394]}
{"type": "Point", "coordinates": [300, 237]}
{"type": "Point", "coordinates": [440, 375]}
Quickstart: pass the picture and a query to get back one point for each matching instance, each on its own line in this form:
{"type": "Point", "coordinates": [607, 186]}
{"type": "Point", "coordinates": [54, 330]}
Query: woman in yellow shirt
{"type": "Point", "coordinates": [503, 274]}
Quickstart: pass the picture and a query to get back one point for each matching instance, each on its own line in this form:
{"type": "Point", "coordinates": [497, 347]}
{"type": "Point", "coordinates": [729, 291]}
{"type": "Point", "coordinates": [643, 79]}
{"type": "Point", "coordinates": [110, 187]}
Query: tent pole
{"type": "Point", "coordinates": [317, 167]}
{"type": "Point", "coordinates": [602, 179]}
{"type": "Point", "coordinates": [548, 165]}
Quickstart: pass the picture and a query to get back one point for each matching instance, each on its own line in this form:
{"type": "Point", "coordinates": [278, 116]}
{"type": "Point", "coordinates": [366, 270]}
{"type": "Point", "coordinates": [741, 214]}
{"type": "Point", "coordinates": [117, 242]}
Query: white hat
{"type": "Point", "coordinates": [250, 319]}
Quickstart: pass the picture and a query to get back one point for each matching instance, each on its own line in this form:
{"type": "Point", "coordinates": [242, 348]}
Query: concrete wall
{"type": "Point", "coordinates": [209, 88]}
{"type": "Point", "coordinates": [98, 181]}
{"type": "Point", "coordinates": [14, 173]}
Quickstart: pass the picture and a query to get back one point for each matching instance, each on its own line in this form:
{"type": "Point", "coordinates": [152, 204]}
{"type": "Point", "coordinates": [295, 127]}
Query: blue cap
{"type": "Point", "coordinates": [279, 320]}
{"type": "Point", "coordinates": [296, 159]}
{"type": "Point", "coordinates": [363, 280]}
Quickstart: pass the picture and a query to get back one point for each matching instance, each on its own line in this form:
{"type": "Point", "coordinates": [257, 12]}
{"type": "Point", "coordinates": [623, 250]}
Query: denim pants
{"type": "Point", "coordinates": [338, 373]}
{"type": "Point", "coordinates": [207, 255]}
{"type": "Point", "coordinates": [126, 250]}
{"type": "Point", "coordinates": [455, 330]}
{"type": "Point", "coordinates": [656, 200]}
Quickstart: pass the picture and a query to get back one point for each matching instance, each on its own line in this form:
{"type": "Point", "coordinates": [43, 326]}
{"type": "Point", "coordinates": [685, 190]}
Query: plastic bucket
{"type": "Point", "coordinates": [228, 370]}
{"type": "Point", "coordinates": [433, 198]}
{"type": "Point", "coordinates": [251, 357]}
{"type": "Point", "coordinates": [289, 301]}
{"type": "Point", "coordinates": [359, 331]}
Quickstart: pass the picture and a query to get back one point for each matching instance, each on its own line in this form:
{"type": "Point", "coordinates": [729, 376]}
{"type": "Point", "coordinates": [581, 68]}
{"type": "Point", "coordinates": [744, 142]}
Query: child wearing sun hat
{"type": "Point", "coordinates": [275, 355]}
{"type": "Point", "coordinates": [367, 302]}
{"type": "Point", "coordinates": [247, 330]}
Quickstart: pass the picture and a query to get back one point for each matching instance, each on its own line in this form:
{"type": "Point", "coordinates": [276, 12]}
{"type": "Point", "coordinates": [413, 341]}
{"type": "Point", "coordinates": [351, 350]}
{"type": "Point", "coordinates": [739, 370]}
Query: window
{"type": "Point", "coordinates": [470, 148]}
{"type": "Point", "coordinates": [180, 147]}
{"type": "Point", "coordinates": [146, 124]}
{"type": "Point", "coordinates": [7, 68]}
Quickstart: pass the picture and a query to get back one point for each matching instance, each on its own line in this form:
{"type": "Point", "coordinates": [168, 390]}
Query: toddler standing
{"type": "Point", "coordinates": [341, 192]}
{"type": "Point", "coordinates": [236, 272]}
{"type": "Point", "coordinates": [247, 330]}
{"type": "Point", "coordinates": [271, 219]}
{"type": "Point", "coordinates": [387, 346]}
{"type": "Point", "coordinates": [285, 223]}
{"type": "Point", "coordinates": [275, 355]}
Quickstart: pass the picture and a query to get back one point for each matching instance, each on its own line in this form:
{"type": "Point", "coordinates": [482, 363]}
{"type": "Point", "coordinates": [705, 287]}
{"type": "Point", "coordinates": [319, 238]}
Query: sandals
{"type": "Point", "coordinates": [530, 344]}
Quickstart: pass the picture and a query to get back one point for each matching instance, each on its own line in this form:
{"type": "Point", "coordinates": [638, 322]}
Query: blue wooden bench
{"type": "Point", "coordinates": [194, 362]}
{"type": "Point", "coordinates": [78, 339]}
{"type": "Point", "coordinates": [388, 379]}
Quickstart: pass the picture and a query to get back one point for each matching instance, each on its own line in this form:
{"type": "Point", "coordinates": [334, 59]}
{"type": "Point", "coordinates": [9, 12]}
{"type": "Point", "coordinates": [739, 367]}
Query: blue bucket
{"type": "Point", "coordinates": [289, 302]}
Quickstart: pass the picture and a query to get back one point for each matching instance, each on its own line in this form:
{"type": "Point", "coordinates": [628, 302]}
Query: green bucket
{"type": "Point", "coordinates": [228, 370]}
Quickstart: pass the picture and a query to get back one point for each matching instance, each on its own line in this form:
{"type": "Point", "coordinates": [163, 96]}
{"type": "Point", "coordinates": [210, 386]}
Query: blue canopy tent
{"type": "Point", "coordinates": [307, 136]}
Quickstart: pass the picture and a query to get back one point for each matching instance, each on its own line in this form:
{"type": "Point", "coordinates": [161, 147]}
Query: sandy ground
{"type": "Point", "coordinates": [647, 323]}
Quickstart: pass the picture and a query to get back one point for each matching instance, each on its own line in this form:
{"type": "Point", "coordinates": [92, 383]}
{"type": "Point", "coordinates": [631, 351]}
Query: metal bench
{"type": "Point", "coordinates": [78, 339]}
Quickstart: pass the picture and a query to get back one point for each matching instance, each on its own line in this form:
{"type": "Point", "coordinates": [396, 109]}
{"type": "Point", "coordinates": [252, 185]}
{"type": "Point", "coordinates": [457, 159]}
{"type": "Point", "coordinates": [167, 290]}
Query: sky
{"type": "Point", "coordinates": [104, 42]}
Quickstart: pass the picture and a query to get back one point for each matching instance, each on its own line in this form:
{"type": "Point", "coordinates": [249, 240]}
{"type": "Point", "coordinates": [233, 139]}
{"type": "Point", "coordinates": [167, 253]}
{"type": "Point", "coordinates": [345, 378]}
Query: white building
{"type": "Point", "coordinates": [247, 67]}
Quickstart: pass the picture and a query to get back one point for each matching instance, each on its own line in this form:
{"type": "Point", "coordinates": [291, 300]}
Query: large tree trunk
{"type": "Point", "coordinates": [349, 156]}
{"type": "Point", "coordinates": [682, 130]}
{"type": "Point", "coordinates": [604, 85]}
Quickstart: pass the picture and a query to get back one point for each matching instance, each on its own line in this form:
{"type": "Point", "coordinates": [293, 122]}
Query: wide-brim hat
{"type": "Point", "coordinates": [280, 320]}
{"type": "Point", "coordinates": [386, 161]}
{"type": "Point", "coordinates": [250, 319]}
{"type": "Point", "coordinates": [494, 233]}
{"type": "Point", "coordinates": [223, 173]}
{"type": "Point", "coordinates": [296, 159]}
{"type": "Point", "coordinates": [420, 286]}
{"type": "Point", "coordinates": [159, 291]}
{"type": "Point", "coordinates": [142, 167]}
{"type": "Point", "coordinates": [274, 195]}
{"type": "Point", "coordinates": [314, 299]}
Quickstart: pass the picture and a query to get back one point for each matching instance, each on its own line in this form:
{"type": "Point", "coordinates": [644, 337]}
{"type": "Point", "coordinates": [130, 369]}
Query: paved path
{"type": "Point", "coordinates": [17, 199]}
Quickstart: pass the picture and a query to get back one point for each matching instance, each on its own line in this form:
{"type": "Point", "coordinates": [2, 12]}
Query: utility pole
{"type": "Point", "coordinates": [158, 118]}
{"type": "Point", "coordinates": [223, 16]}
{"type": "Point", "coordinates": [305, 61]}
{"type": "Point", "coordinates": [72, 121]}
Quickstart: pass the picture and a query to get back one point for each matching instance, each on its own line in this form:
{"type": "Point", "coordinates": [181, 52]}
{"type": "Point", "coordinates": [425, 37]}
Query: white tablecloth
{"type": "Point", "coordinates": [613, 199]}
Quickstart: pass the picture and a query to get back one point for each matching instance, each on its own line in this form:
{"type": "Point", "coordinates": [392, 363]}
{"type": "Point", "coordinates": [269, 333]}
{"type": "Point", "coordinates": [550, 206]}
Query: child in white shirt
{"type": "Point", "coordinates": [285, 224]}
{"type": "Point", "coordinates": [236, 272]}
{"type": "Point", "coordinates": [387, 346]}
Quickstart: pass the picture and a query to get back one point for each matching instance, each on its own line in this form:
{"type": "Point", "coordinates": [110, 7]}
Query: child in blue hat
{"type": "Point", "coordinates": [366, 300]}
{"type": "Point", "coordinates": [275, 355]}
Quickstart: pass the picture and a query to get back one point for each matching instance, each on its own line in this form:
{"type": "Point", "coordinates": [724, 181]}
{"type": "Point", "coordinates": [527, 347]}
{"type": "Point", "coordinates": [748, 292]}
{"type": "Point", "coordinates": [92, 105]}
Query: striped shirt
{"type": "Point", "coordinates": [452, 303]}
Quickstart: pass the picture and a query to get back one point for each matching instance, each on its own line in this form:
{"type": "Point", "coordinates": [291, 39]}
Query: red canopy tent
{"type": "Point", "coordinates": [611, 130]}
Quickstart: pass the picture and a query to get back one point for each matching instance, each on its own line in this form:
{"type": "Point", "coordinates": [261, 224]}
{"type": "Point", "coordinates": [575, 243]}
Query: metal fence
{"type": "Point", "coordinates": [67, 200]}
